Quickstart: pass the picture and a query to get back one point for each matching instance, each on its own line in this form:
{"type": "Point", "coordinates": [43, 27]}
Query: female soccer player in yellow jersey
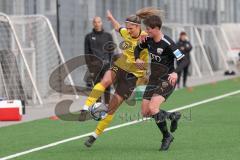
{"type": "Point", "coordinates": [123, 73]}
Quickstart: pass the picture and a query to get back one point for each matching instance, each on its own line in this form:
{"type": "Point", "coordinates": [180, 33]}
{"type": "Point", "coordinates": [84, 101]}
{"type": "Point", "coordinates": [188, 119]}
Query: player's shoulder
{"type": "Point", "coordinates": [168, 40]}
{"type": "Point", "coordinates": [107, 33]}
{"type": "Point", "coordinates": [122, 28]}
{"type": "Point", "coordinates": [123, 32]}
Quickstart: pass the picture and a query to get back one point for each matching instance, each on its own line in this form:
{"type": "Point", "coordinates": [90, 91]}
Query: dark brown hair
{"type": "Point", "coordinates": [183, 33]}
{"type": "Point", "coordinates": [153, 21]}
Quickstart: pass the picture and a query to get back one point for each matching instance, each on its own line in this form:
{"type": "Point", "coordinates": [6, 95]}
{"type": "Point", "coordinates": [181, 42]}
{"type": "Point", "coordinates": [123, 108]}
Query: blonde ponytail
{"type": "Point", "coordinates": [143, 14]}
{"type": "Point", "coordinates": [149, 11]}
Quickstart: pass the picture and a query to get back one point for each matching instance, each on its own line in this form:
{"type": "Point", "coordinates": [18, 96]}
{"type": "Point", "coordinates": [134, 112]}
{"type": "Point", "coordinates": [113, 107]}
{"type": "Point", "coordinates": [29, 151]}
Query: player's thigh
{"type": "Point", "coordinates": [126, 83]}
{"type": "Point", "coordinates": [114, 103]}
{"type": "Point", "coordinates": [155, 103]}
{"type": "Point", "coordinates": [108, 78]}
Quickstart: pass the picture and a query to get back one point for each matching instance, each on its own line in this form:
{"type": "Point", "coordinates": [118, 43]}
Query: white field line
{"type": "Point", "coordinates": [115, 127]}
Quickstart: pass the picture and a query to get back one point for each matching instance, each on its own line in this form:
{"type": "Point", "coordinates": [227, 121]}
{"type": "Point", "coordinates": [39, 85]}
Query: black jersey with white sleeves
{"type": "Point", "coordinates": [162, 54]}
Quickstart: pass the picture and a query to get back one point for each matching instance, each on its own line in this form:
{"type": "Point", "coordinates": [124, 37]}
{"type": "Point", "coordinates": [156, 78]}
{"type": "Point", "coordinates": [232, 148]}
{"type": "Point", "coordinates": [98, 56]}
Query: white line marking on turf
{"type": "Point", "coordinates": [115, 127]}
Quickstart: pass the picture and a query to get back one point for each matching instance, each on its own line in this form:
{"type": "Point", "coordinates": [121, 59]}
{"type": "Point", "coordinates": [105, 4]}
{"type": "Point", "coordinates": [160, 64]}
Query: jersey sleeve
{"type": "Point", "coordinates": [141, 46]}
{"type": "Point", "coordinates": [123, 32]}
{"type": "Point", "coordinates": [176, 52]}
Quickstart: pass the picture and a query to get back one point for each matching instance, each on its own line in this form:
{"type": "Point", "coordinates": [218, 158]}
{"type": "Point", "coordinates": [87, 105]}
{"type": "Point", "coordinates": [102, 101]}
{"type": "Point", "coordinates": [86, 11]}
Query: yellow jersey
{"type": "Point", "coordinates": [127, 61]}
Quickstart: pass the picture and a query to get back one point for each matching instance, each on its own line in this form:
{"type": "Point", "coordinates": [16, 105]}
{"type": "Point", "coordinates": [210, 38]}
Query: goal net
{"type": "Point", "coordinates": [208, 56]}
{"type": "Point", "coordinates": [29, 52]}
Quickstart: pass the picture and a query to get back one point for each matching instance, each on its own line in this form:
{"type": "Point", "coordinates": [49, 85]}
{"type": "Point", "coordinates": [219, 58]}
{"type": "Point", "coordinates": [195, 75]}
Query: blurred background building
{"type": "Point", "coordinates": [212, 27]}
{"type": "Point", "coordinates": [71, 19]}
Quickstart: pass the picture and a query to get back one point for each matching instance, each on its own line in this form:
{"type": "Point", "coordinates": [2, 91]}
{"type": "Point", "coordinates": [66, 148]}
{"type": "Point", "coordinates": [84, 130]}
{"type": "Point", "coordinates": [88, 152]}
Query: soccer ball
{"type": "Point", "coordinates": [98, 111]}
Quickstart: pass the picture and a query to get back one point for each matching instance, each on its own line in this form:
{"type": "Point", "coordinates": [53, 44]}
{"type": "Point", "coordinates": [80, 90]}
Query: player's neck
{"type": "Point", "coordinates": [137, 34]}
{"type": "Point", "coordinates": [158, 36]}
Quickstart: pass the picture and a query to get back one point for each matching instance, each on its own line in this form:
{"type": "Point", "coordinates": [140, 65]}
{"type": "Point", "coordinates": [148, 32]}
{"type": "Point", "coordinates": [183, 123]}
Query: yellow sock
{"type": "Point", "coordinates": [103, 124]}
{"type": "Point", "coordinates": [96, 92]}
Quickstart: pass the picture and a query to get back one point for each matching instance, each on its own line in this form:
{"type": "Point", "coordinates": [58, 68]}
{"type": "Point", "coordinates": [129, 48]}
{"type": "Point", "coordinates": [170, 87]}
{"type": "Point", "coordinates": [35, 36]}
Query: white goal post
{"type": "Point", "coordinates": [29, 52]}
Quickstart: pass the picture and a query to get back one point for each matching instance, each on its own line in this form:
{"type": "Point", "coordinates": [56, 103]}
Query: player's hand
{"type": "Point", "coordinates": [143, 38]}
{"type": "Point", "coordinates": [109, 15]}
{"type": "Point", "coordinates": [140, 64]}
{"type": "Point", "coordinates": [172, 78]}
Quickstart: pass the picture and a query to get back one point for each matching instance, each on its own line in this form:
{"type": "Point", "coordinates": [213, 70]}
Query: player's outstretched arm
{"type": "Point", "coordinates": [114, 22]}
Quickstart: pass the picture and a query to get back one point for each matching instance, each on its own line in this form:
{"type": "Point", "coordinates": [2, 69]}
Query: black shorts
{"type": "Point", "coordinates": [158, 87]}
{"type": "Point", "coordinates": [125, 82]}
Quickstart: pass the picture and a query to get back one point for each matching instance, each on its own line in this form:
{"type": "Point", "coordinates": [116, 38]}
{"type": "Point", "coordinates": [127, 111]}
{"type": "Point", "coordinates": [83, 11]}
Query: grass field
{"type": "Point", "coordinates": [212, 133]}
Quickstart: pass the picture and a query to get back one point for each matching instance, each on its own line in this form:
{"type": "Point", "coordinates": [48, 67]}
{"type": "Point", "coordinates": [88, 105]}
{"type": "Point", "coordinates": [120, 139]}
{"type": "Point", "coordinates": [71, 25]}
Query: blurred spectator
{"type": "Point", "coordinates": [185, 46]}
{"type": "Point", "coordinates": [96, 43]}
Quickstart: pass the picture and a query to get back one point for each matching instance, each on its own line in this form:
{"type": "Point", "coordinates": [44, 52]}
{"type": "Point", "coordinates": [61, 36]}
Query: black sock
{"type": "Point", "coordinates": [160, 119]}
{"type": "Point", "coordinates": [163, 128]}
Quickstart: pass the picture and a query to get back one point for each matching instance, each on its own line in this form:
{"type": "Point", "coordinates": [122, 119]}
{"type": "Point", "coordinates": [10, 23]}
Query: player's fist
{"type": "Point", "coordinates": [109, 15]}
{"type": "Point", "coordinates": [172, 78]}
{"type": "Point", "coordinates": [143, 38]}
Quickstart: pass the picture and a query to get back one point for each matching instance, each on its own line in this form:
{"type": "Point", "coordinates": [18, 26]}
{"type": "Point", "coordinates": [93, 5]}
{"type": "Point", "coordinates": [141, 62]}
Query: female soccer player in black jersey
{"type": "Point", "coordinates": [163, 51]}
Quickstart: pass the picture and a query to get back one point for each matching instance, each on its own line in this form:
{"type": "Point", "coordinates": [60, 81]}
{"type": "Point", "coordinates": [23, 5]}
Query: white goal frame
{"type": "Point", "coordinates": [37, 99]}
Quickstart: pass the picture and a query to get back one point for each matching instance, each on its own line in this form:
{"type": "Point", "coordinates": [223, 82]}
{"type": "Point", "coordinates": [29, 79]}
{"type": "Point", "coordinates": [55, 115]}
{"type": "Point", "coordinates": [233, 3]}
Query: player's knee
{"type": "Point", "coordinates": [145, 113]}
{"type": "Point", "coordinates": [153, 109]}
{"type": "Point", "coordinates": [106, 82]}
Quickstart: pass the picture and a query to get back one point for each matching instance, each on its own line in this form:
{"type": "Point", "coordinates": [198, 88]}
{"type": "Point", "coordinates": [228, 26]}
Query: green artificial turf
{"type": "Point", "coordinates": [213, 132]}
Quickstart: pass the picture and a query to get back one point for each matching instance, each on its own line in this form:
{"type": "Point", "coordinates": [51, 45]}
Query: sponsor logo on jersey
{"type": "Point", "coordinates": [115, 69]}
{"type": "Point", "coordinates": [155, 57]}
{"type": "Point", "coordinates": [164, 84]}
{"type": "Point", "coordinates": [124, 45]}
{"type": "Point", "coordinates": [159, 51]}
{"type": "Point", "coordinates": [94, 38]}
